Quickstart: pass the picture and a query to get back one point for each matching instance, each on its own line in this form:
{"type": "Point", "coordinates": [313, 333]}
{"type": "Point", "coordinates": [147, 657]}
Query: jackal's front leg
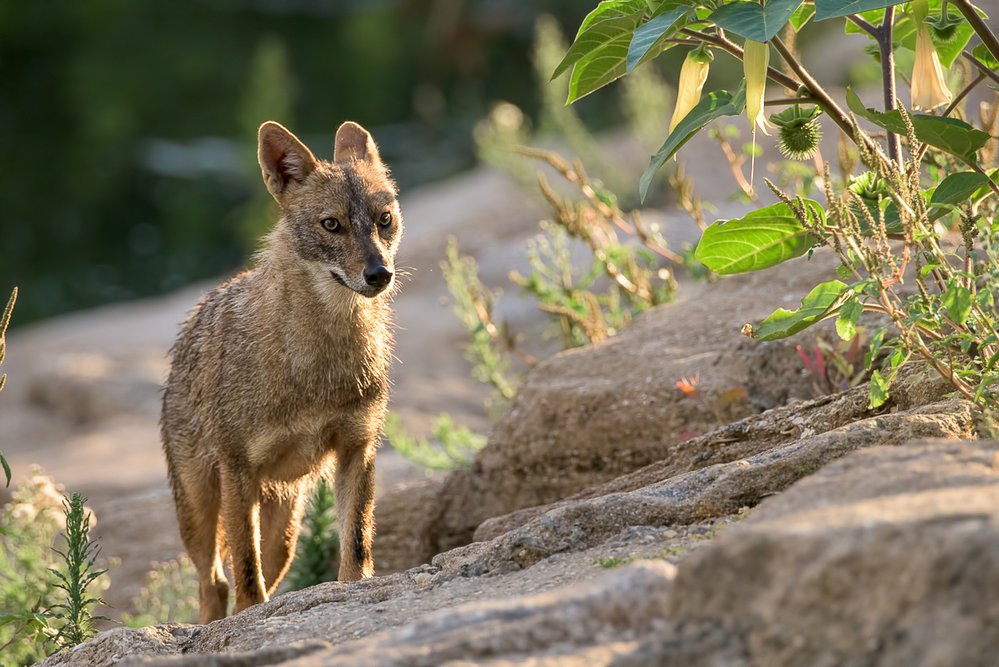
{"type": "Point", "coordinates": [241, 518]}
{"type": "Point", "coordinates": [355, 504]}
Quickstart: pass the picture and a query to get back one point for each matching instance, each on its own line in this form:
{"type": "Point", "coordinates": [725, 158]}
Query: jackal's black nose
{"type": "Point", "coordinates": [377, 276]}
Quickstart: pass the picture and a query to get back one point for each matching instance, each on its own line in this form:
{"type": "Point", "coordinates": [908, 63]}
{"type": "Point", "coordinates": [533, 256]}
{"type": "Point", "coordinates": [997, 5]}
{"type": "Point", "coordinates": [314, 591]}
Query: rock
{"type": "Point", "coordinates": [886, 556]}
{"type": "Point", "coordinates": [114, 645]}
{"type": "Point", "coordinates": [85, 388]}
{"type": "Point", "coordinates": [590, 415]}
{"type": "Point", "coordinates": [673, 497]}
{"type": "Point", "coordinates": [769, 430]}
{"type": "Point", "coordinates": [403, 520]}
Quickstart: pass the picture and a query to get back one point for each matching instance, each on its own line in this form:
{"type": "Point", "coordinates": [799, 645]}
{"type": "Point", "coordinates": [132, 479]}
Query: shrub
{"type": "Point", "coordinates": [889, 225]}
{"type": "Point", "coordinates": [169, 595]}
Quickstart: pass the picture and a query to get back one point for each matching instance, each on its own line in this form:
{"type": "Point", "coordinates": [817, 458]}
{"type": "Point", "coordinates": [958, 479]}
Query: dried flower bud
{"type": "Point", "coordinates": [755, 59]}
{"type": "Point", "coordinates": [693, 74]}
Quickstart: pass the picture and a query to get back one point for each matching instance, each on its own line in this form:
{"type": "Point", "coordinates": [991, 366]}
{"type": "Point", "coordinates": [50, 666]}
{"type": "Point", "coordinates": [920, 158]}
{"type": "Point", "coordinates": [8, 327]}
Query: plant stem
{"type": "Point", "coordinates": [982, 68]}
{"type": "Point", "coordinates": [731, 47]}
{"type": "Point", "coordinates": [822, 98]}
{"type": "Point", "coordinates": [976, 168]}
{"type": "Point", "coordinates": [883, 37]}
{"type": "Point", "coordinates": [964, 93]}
{"type": "Point", "coordinates": [787, 101]}
{"type": "Point", "coordinates": [988, 38]}
{"type": "Point", "coordinates": [864, 25]}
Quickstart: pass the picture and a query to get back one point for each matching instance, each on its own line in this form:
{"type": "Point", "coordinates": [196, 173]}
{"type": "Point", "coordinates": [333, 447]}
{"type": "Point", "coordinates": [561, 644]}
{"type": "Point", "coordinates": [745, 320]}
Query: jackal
{"type": "Point", "coordinates": [281, 374]}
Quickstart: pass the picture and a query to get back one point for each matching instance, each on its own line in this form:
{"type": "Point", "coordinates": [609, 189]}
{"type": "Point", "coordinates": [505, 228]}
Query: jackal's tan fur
{"type": "Point", "coordinates": [281, 374]}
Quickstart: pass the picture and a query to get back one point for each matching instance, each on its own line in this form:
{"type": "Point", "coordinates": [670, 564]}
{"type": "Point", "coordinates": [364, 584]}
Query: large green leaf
{"type": "Point", "coordinates": [821, 302]}
{"type": "Point", "coordinates": [610, 9]}
{"type": "Point", "coordinates": [984, 56]}
{"type": "Point", "coordinates": [957, 300]}
{"type": "Point", "coordinates": [828, 9]}
{"type": "Point", "coordinates": [628, 11]}
{"type": "Point", "coordinates": [597, 39]}
{"type": "Point", "coordinates": [713, 105]}
{"type": "Point", "coordinates": [758, 240]}
{"type": "Point", "coordinates": [608, 43]}
{"type": "Point", "coordinates": [753, 20]}
{"type": "Point", "coordinates": [802, 15]}
{"type": "Point", "coordinates": [947, 134]}
{"type": "Point", "coordinates": [957, 188]}
{"type": "Point", "coordinates": [904, 34]}
{"type": "Point", "coordinates": [650, 38]}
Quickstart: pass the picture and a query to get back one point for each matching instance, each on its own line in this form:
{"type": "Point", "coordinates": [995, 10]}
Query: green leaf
{"type": "Point", "coordinates": [802, 15]}
{"type": "Point", "coordinates": [713, 105]}
{"type": "Point", "coordinates": [948, 134]}
{"type": "Point", "coordinates": [611, 9]}
{"type": "Point", "coordinates": [753, 20]}
{"type": "Point", "coordinates": [650, 38]}
{"type": "Point", "coordinates": [984, 56]}
{"type": "Point", "coordinates": [957, 300]}
{"type": "Point", "coordinates": [957, 188]}
{"type": "Point", "coordinates": [877, 341]}
{"type": "Point", "coordinates": [820, 303]}
{"type": "Point", "coordinates": [878, 391]}
{"type": "Point", "coordinates": [829, 9]}
{"type": "Point", "coordinates": [897, 358]}
{"type": "Point", "coordinates": [849, 315]}
{"type": "Point", "coordinates": [760, 239]}
{"type": "Point", "coordinates": [6, 468]}
{"type": "Point", "coordinates": [598, 55]}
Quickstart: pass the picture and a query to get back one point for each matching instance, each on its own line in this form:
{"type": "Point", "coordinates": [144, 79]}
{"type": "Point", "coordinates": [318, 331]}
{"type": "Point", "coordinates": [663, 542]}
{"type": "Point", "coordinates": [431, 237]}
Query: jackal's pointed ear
{"type": "Point", "coordinates": [353, 142]}
{"type": "Point", "coordinates": [284, 160]}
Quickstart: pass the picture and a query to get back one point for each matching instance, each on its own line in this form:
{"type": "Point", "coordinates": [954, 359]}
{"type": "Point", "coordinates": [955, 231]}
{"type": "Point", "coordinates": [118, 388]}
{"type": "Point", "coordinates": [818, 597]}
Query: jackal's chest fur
{"type": "Point", "coordinates": [334, 391]}
{"type": "Point", "coordinates": [273, 379]}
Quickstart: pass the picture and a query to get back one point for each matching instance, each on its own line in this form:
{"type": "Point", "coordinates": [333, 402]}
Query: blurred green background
{"type": "Point", "coordinates": [128, 128]}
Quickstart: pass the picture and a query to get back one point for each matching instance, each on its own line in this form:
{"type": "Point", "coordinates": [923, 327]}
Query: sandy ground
{"type": "Point", "coordinates": [82, 398]}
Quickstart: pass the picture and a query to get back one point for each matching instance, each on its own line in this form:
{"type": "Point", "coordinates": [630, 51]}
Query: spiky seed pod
{"type": "Point", "coordinates": [800, 132]}
{"type": "Point", "coordinates": [755, 60]}
{"type": "Point", "coordinates": [944, 27]}
{"type": "Point", "coordinates": [693, 74]}
{"type": "Point", "coordinates": [868, 186]}
{"type": "Point", "coordinates": [929, 90]}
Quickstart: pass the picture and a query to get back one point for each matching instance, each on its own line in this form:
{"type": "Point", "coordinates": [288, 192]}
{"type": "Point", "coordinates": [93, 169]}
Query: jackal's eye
{"type": "Point", "coordinates": [330, 224]}
{"type": "Point", "coordinates": [385, 219]}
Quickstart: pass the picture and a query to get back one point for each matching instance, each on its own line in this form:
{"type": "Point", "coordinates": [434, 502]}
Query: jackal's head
{"type": "Point", "coordinates": [341, 217]}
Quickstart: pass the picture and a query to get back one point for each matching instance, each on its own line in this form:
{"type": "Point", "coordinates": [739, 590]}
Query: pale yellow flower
{"type": "Point", "coordinates": [693, 74]}
{"type": "Point", "coordinates": [929, 90]}
{"type": "Point", "coordinates": [755, 59]}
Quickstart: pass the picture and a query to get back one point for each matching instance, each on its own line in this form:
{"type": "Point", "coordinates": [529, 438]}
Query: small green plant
{"type": "Point", "coordinates": [835, 365]}
{"type": "Point", "coordinates": [624, 278]}
{"type": "Point", "coordinates": [4, 321]}
{"type": "Point", "coordinates": [673, 552]}
{"type": "Point", "coordinates": [491, 345]}
{"type": "Point", "coordinates": [29, 524]}
{"type": "Point", "coordinates": [453, 446]}
{"type": "Point", "coordinates": [611, 562]}
{"type": "Point", "coordinates": [169, 595]}
{"type": "Point", "coordinates": [317, 558]}
{"type": "Point", "coordinates": [76, 575]}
